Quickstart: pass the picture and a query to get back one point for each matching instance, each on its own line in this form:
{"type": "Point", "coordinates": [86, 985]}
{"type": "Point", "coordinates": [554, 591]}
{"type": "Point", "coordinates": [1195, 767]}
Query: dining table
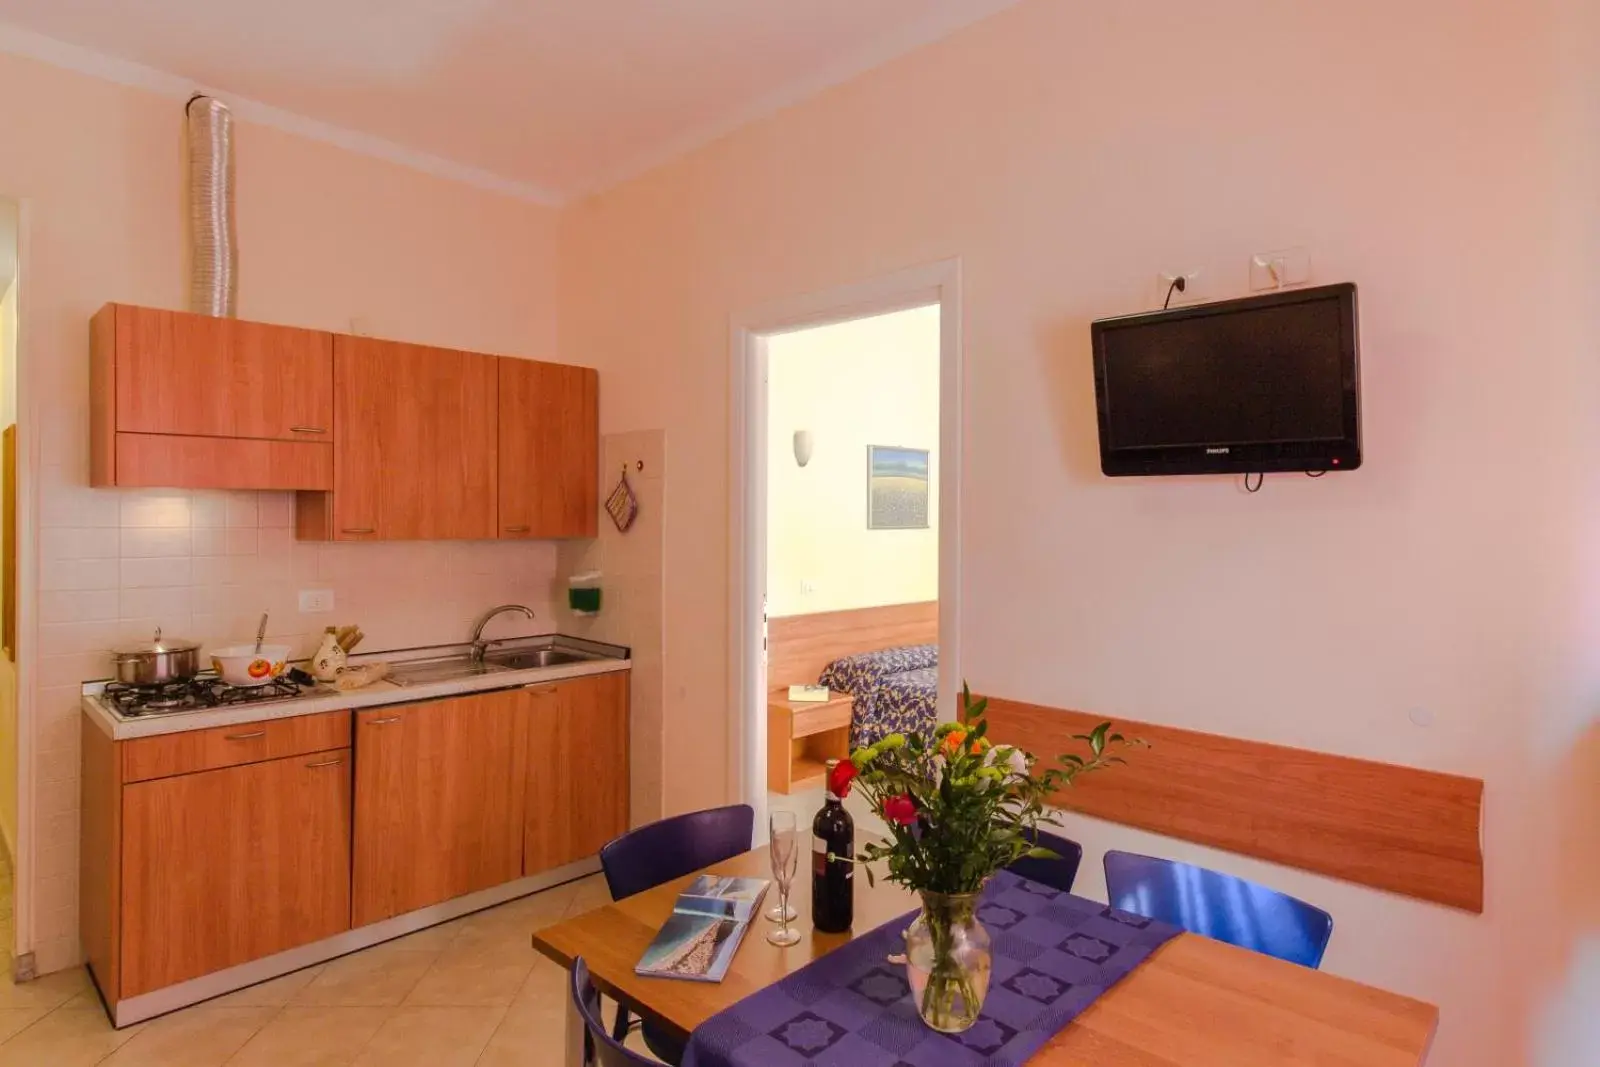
{"type": "Point", "coordinates": [1195, 1002]}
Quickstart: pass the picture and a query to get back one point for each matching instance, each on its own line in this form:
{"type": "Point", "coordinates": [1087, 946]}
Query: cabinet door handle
{"type": "Point", "coordinates": [518, 529]}
{"type": "Point", "coordinates": [325, 763]}
{"type": "Point", "coordinates": [245, 737]}
{"type": "Point", "coordinates": [359, 530]}
{"type": "Point", "coordinates": [547, 687]}
{"type": "Point", "coordinates": [307, 429]}
{"type": "Point", "coordinates": [382, 722]}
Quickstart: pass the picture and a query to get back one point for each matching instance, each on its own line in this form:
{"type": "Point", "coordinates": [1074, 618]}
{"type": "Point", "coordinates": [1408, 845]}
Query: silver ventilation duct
{"type": "Point", "coordinates": [213, 249]}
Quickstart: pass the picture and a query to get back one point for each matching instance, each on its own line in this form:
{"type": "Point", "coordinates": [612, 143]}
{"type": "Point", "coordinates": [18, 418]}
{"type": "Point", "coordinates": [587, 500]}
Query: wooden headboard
{"type": "Point", "coordinates": [800, 646]}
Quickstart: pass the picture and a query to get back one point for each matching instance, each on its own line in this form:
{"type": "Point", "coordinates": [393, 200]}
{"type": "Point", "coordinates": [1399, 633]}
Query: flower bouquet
{"type": "Point", "coordinates": [958, 809]}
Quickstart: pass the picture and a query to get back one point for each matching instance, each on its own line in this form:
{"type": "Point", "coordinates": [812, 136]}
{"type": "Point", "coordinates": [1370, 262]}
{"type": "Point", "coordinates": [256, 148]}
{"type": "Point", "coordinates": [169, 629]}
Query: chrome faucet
{"type": "Point", "coordinates": [479, 645]}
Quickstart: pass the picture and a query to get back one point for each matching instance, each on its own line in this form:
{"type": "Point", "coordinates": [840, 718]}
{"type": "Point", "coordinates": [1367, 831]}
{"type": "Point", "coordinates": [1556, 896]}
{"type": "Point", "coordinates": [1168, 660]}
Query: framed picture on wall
{"type": "Point", "coordinates": [897, 488]}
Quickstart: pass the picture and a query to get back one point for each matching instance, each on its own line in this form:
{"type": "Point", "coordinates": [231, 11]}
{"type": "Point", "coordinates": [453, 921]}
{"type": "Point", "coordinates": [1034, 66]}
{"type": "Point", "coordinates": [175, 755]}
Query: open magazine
{"type": "Point", "coordinates": [707, 924]}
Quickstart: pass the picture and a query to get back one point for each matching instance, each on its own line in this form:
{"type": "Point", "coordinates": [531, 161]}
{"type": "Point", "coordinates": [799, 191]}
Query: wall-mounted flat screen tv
{"type": "Point", "coordinates": [1265, 383]}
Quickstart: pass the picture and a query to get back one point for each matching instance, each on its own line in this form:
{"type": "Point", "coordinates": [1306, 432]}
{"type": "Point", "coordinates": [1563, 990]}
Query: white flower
{"type": "Point", "coordinates": [1017, 763]}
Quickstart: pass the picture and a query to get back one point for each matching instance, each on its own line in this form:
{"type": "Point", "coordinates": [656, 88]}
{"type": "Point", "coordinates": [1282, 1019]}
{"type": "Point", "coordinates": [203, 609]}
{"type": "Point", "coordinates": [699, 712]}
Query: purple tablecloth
{"type": "Point", "coordinates": [1054, 953]}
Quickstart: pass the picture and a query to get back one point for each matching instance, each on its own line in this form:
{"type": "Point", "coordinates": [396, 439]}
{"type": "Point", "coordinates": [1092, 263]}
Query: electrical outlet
{"type": "Point", "coordinates": [807, 586]}
{"type": "Point", "coordinates": [1189, 295]}
{"type": "Point", "coordinates": [315, 600]}
{"type": "Point", "coordinates": [1279, 270]}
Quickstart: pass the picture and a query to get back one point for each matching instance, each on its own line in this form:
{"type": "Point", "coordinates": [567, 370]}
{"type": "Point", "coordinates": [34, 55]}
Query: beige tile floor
{"type": "Point", "coordinates": [471, 993]}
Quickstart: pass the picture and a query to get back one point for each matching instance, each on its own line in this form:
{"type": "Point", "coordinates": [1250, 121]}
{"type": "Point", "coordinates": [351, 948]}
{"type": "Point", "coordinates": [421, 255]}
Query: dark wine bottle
{"type": "Point", "coordinates": [833, 835]}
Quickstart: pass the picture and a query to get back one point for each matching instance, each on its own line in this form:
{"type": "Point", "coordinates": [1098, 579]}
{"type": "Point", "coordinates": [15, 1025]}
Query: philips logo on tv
{"type": "Point", "coordinates": [1218, 451]}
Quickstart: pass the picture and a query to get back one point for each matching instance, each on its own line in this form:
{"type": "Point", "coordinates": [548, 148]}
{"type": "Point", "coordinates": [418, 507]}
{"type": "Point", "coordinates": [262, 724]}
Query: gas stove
{"type": "Point", "coordinates": [197, 694]}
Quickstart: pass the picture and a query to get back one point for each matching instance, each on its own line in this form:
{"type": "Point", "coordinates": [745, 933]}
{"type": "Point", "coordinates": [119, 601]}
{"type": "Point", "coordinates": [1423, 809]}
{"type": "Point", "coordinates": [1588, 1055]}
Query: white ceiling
{"type": "Point", "coordinates": [551, 98]}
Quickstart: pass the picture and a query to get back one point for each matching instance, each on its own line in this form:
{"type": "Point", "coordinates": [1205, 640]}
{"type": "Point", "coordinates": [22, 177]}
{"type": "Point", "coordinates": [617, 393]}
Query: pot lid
{"type": "Point", "coordinates": [156, 646]}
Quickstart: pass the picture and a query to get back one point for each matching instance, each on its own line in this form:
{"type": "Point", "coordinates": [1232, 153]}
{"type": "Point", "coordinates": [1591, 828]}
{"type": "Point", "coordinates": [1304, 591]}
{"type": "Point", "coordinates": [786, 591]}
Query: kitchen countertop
{"type": "Point", "coordinates": [378, 694]}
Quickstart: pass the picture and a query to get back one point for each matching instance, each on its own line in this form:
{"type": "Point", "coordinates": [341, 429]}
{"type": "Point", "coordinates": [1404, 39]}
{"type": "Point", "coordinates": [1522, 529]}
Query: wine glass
{"type": "Point", "coordinates": [784, 849]}
{"type": "Point", "coordinates": [783, 911]}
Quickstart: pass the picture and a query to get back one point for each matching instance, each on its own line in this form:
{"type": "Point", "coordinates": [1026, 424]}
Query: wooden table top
{"type": "Point", "coordinates": [1195, 1003]}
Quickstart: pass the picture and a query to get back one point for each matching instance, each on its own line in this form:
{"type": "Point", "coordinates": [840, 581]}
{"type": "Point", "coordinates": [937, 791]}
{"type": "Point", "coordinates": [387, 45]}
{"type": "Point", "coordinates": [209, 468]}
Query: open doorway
{"type": "Point", "coordinates": [852, 541]}
{"type": "Point", "coordinates": [846, 526]}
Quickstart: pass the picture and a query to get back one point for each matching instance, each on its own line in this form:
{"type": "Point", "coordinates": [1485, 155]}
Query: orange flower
{"type": "Point", "coordinates": [980, 746]}
{"type": "Point", "coordinates": [953, 741]}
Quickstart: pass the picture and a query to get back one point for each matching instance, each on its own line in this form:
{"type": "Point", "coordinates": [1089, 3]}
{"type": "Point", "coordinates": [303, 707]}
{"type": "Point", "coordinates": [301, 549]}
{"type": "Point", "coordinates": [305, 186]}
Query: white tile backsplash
{"type": "Point", "coordinates": [241, 510]}
{"type": "Point", "coordinates": [76, 574]}
{"type": "Point", "coordinates": [84, 605]}
{"type": "Point", "coordinates": [80, 542]}
{"type": "Point", "coordinates": [147, 542]}
{"type": "Point", "coordinates": [146, 507]}
{"type": "Point", "coordinates": [142, 573]}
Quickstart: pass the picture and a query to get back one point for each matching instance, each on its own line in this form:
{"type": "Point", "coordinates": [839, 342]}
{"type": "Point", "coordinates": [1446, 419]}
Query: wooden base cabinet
{"type": "Point", "coordinates": [228, 866]}
{"type": "Point", "coordinates": [212, 864]}
{"type": "Point", "coordinates": [577, 769]}
{"type": "Point", "coordinates": [438, 805]}
{"type": "Point", "coordinates": [206, 849]}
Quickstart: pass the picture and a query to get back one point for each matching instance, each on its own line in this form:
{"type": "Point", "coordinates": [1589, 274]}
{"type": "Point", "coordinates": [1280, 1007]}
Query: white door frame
{"type": "Point", "coordinates": [24, 938]}
{"type": "Point", "coordinates": [933, 283]}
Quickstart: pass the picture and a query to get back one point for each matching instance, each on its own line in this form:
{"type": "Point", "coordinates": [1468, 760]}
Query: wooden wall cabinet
{"type": "Point", "coordinates": [438, 802]}
{"type": "Point", "coordinates": [414, 445]}
{"type": "Point", "coordinates": [549, 448]}
{"type": "Point", "coordinates": [195, 872]}
{"type": "Point", "coordinates": [192, 401]}
{"type": "Point", "coordinates": [386, 441]}
{"type": "Point", "coordinates": [576, 770]}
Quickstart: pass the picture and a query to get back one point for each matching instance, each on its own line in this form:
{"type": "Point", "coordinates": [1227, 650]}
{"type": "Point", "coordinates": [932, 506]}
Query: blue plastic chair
{"type": "Point", "coordinates": [644, 858]}
{"type": "Point", "coordinates": [600, 1049]}
{"type": "Point", "coordinates": [1219, 906]}
{"type": "Point", "coordinates": [1058, 873]}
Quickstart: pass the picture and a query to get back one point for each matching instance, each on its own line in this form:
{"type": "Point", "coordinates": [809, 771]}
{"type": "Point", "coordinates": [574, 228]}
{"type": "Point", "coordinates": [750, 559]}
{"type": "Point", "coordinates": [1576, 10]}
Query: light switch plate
{"type": "Point", "coordinates": [315, 600]}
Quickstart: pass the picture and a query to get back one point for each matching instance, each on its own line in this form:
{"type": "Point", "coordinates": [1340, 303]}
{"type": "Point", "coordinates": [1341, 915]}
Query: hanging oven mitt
{"type": "Point", "coordinates": [622, 504]}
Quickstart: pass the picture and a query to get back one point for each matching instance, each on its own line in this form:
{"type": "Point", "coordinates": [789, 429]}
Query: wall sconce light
{"type": "Point", "coordinates": [802, 447]}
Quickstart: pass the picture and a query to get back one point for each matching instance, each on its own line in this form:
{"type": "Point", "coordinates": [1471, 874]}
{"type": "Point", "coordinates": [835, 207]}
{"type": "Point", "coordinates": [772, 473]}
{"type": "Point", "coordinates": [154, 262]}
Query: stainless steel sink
{"type": "Point", "coordinates": [526, 659]}
{"type": "Point", "coordinates": [423, 672]}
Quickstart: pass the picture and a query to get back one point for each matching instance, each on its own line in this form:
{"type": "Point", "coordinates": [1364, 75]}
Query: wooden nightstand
{"type": "Point", "coordinates": [801, 735]}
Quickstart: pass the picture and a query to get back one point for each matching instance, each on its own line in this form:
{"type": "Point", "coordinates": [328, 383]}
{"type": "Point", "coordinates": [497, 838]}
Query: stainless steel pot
{"type": "Point", "coordinates": [157, 662]}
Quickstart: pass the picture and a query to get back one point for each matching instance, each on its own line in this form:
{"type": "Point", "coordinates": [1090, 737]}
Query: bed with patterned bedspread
{"type": "Point", "coordinates": [896, 690]}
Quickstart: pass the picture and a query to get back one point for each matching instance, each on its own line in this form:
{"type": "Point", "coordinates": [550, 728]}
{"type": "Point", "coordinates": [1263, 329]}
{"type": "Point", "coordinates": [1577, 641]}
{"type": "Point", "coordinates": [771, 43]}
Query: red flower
{"type": "Point", "coordinates": [901, 809]}
{"type": "Point", "coordinates": [839, 781]}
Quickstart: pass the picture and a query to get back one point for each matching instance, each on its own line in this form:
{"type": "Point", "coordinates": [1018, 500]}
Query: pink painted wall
{"type": "Point", "coordinates": [1066, 152]}
{"type": "Point", "coordinates": [325, 236]}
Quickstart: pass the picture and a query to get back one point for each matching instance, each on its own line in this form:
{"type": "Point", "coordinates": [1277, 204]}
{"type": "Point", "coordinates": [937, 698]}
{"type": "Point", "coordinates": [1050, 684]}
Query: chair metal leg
{"type": "Point", "coordinates": [620, 1028]}
{"type": "Point", "coordinates": [577, 1037]}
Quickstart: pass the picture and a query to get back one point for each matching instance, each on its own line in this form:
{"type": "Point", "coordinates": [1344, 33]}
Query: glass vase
{"type": "Point", "coordinates": [948, 961]}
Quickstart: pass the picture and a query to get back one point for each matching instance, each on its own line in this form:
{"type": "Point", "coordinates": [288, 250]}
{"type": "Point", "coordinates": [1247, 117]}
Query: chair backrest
{"type": "Point", "coordinates": [1219, 906]}
{"type": "Point", "coordinates": [644, 858]}
{"type": "Point", "coordinates": [1058, 873]}
{"type": "Point", "coordinates": [601, 1050]}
